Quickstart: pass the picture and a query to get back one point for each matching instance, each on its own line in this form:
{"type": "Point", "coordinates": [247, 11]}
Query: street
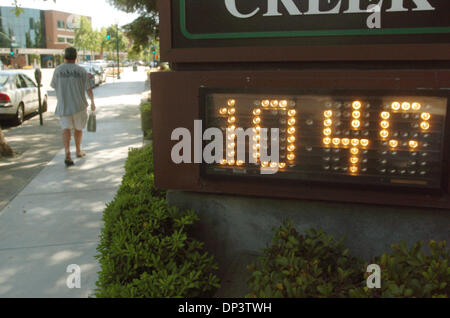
{"type": "Point", "coordinates": [51, 216]}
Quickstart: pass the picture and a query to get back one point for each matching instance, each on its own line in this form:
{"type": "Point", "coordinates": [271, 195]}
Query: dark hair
{"type": "Point", "coordinates": [70, 53]}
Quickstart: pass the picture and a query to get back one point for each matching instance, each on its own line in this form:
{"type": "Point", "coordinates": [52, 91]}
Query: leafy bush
{"type": "Point", "coordinates": [411, 273]}
{"type": "Point", "coordinates": [146, 107]}
{"type": "Point", "coordinates": [148, 135]}
{"type": "Point", "coordinates": [146, 119]}
{"type": "Point", "coordinates": [314, 265]}
{"type": "Point", "coordinates": [145, 248]}
{"type": "Point", "coordinates": [299, 266]}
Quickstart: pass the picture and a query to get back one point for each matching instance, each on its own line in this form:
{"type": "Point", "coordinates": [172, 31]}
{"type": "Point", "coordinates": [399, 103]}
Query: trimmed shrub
{"type": "Point", "coordinates": [314, 265]}
{"type": "Point", "coordinates": [146, 249]}
{"type": "Point", "coordinates": [299, 266]}
{"type": "Point", "coordinates": [411, 273]}
{"type": "Point", "coordinates": [146, 118]}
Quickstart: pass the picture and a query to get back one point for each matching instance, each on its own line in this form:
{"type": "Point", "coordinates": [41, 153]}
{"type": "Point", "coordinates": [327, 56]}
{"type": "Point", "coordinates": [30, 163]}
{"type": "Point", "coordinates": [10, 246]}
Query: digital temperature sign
{"type": "Point", "coordinates": [374, 138]}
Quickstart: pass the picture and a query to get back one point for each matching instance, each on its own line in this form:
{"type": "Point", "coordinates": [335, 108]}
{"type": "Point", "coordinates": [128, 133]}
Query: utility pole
{"type": "Point", "coordinates": [117, 46]}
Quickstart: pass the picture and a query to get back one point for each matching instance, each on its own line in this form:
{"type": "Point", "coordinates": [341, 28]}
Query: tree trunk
{"type": "Point", "coordinates": [5, 149]}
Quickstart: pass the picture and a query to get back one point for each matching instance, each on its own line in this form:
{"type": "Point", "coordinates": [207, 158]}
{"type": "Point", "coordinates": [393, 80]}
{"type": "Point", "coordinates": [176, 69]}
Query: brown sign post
{"type": "Point", "coordinates": [359, 94]}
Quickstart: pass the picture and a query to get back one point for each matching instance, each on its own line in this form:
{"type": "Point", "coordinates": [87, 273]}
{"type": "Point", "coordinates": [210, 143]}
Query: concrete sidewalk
{"type": "Point", "coordinates": [56, 220]}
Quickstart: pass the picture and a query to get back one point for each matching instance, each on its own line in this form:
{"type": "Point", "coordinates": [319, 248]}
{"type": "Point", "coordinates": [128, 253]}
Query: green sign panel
{"type": "Point", "coordinates": [222, 23]}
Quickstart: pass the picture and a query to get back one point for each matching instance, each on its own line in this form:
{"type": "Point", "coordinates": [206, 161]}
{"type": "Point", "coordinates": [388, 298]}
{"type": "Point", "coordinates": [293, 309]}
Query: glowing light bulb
{"type": "Point", "coordinates": [355, 142]}
{"type": "Point", "coordinates": [231, 128]}
{"type": "Point", "coordinates": [345, 141]}
{"type": "Point", "coordinates": [291, 148]}
{"type": "Point", "coordinates": [327, 122]}
{"type": "Point", "coordinates": [239, 162]}
{"type": "Point", "coordinates": [406, 106]}
{"type": "Point", "coordinates": [364, 142]}
{"type": "Point", "coordinates": [264, 164]}
{"type": "Point", "coordinates": [328, 113]}
{"type": "Point", "coordinates": [232, 111]}
{"type": "Point", "coordinates": [416, 106]}
{"type": "Point", "coordinates": [231, 145]}
{"type": "Point", "coordinates": [283, 103]}
{"type": "Point", "coordinates": [393, 143]}
{"type": "Point", "coordinates": [354, 160]}
{"type": "Point", "coordinates": [231, 102]}
{"type": "Point", "coordinates": [354, 151]}
{"type": "Point", "coordinates": [256, 120]}
{"type": "Point", "coordinates": [385, 115]}
{"type": "Point", "coordinates": [257, 112]}
{"type": "Point", "coordinates": [256, 146]}
{"type": "Point", "coordinates": [353, 169]}
{"type": "Point", "coordinates": [274, 103]}
{"type": "Point", "coordinates": [425, 116]}
{"type": "Point", "coordinates": [384, 133]}
{"type": "Point", "coordinates": [231, 162]}
{"type": "Point", "coordinates": [291, 156]}
{"type": "Point", "coordinates": [384, 124]}
{"type": "Point", "coordinates": [274, 164]}
{"type": "Point", "coordinates": [327, 131]}
{"type": "Point", "coordinates": [356, 114]}
{"type": "Point", "coordinates": [223, 111]}
{"type": "Point", "coordinates": [395, 106]}
{"type": "Point", "coordinates": [231, 136]}
{"type": "Point", "coordinates": [292, 112]}
{"type": "Point", "coordinates": [336, 141]}
{"type": "Point", "coordinates": [327, 140]}
{"type": "Point", "coordinates": [232, 119]}
{"type": "Point", "coordinates": [356, 105]}
{"type": "Point", "coordinates": [281, 165]}
{"type": "Point", "coordinates": [265, 103]}
{"type": "Point", "coordinates": [223, 162]}
{"type": "Point", "coordinates": [424, 125]}
{"type": "Point", "coordinates": [291, 121]}
{"type": "Point", "coordinates": [413, 144]}
{"type": "Point", "coordinates": [291, 139]}
{"type": "Point", "coordinates": [356, 123]}
{"type": "Point", "coordinates": [291, 130]}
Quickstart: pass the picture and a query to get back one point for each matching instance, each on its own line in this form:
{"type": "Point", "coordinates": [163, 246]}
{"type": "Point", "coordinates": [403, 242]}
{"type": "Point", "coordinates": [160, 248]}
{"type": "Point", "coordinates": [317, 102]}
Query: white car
{"type": "Point", "coordinates": [19, 96]}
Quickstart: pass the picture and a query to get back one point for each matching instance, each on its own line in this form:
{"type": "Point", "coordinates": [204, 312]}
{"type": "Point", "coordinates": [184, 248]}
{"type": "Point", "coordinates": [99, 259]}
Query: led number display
{"type": "Point", "coordinates": [365, 139]}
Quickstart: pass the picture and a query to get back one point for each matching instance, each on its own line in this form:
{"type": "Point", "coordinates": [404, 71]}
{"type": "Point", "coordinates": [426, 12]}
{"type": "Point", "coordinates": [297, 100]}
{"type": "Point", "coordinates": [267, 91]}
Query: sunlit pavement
{"type": "Point", "coordinates": [56, 219]}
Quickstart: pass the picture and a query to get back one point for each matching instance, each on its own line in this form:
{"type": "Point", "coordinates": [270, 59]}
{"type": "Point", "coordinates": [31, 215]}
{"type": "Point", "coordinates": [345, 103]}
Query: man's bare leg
{"type": "Point", "coordinates": [66, 142]}
{"type": "Point", "coordinates": [78, 137]}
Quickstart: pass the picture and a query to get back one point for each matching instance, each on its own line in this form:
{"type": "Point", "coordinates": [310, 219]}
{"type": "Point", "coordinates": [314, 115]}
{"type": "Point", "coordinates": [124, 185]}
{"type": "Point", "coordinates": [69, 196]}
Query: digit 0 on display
{"type": "Point", "coordinates": [374, 139]}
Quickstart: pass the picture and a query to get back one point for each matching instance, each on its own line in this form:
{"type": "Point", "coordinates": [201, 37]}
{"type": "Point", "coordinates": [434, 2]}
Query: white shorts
{"type": "Point", "coordinates": [77, 121]}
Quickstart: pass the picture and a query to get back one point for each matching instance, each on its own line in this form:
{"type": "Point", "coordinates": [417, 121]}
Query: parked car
{"type": "Point", "coordinates": [93, 75]}
{"type": "Point", "coordinates": [100, 71]}
{"type": "Point", "coordinates": [19, 96]}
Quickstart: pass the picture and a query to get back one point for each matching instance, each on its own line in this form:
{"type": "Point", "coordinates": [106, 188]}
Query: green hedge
{"type": "Point", "coordinates": [315, 265]}
{"type": "Point", "coordinates": [146, 119]}
{"type": "Point", "coordinates": [146, 249]}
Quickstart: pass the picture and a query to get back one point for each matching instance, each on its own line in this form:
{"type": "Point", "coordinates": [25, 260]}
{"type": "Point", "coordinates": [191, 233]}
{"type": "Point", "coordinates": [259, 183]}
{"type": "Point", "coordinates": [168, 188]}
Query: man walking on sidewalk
{"type": "Point", "coordinates": [71, 82]}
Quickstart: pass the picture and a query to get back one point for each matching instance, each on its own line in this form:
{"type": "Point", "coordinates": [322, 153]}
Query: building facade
{"type": "Point", "coordinates": [46, 30]}
{"type": "Point", "coordinates": [26, 30]}
{"type": "Point", "coordinates": [60, 27]}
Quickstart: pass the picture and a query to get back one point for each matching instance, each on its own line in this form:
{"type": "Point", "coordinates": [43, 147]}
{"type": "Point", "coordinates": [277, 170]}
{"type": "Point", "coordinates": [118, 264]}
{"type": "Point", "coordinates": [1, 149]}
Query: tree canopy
{"type": "Point", "coordinates": [144, 30]}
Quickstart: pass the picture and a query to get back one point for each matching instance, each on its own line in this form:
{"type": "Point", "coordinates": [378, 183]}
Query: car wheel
{"type": "Point", "coordinates": [20, 114]}
{"type": "Point", "coordinates": [44, 105]}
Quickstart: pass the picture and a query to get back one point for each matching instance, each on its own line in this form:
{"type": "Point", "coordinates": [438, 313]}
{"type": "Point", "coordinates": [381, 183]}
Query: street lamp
{"type": "Point", "coordinates": [117, 46]}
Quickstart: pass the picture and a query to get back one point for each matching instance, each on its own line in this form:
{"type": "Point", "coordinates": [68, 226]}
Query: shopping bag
{"type": "Point", "coordinates": [92, 123]}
